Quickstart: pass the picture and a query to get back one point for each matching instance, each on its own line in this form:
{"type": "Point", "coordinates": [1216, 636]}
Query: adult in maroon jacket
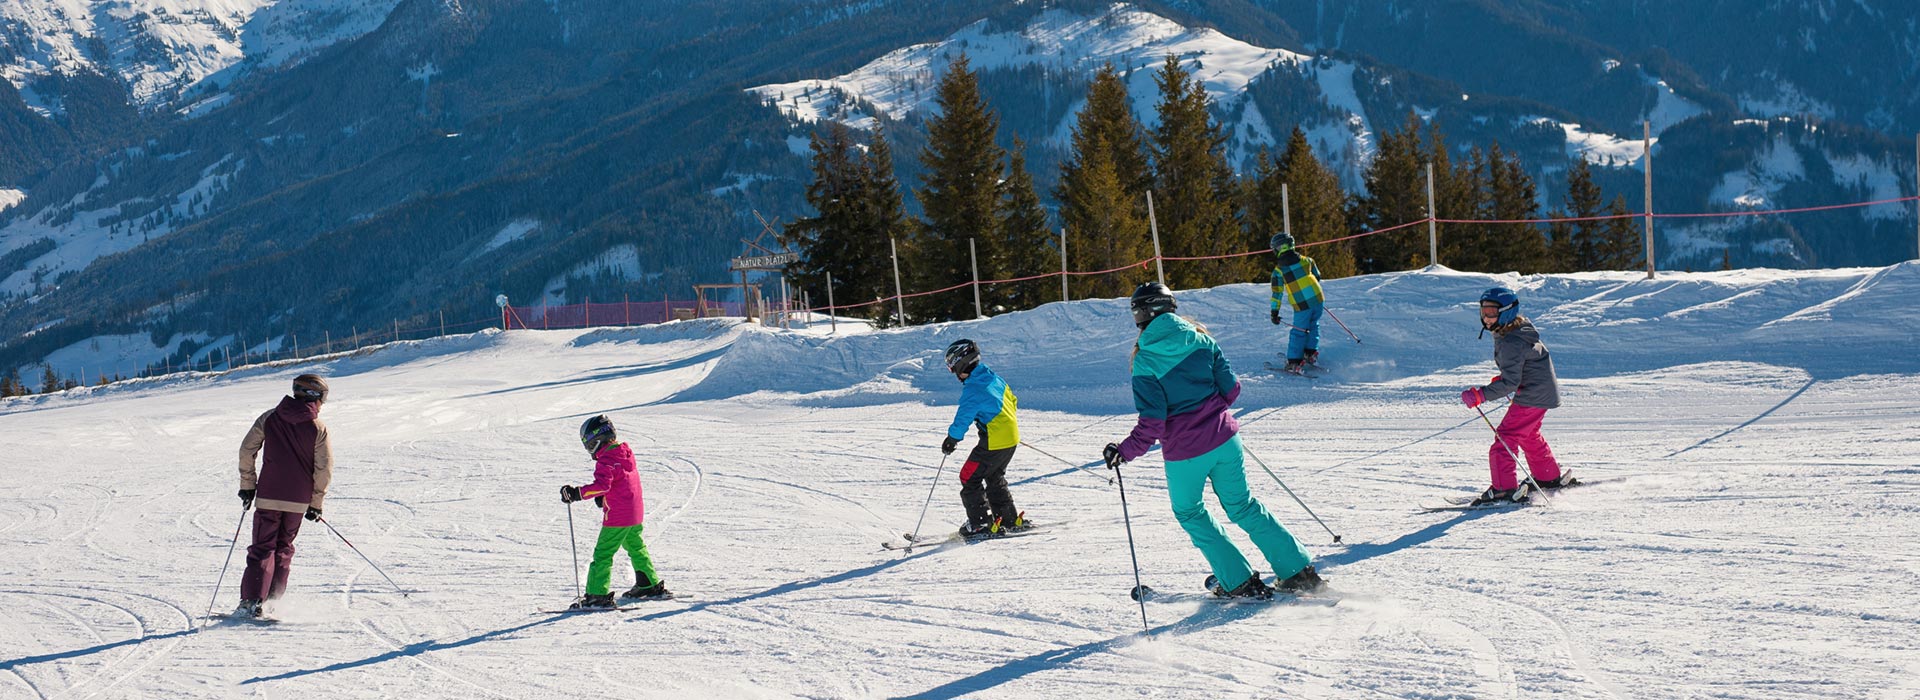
{"type": "Point", "coordinates": [291, 481]}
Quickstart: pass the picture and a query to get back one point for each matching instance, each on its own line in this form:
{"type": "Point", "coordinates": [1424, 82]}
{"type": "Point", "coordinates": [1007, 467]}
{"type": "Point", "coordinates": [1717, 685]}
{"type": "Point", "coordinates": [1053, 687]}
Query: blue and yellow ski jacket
{"type": "Point", "coordinates": [985, 401]}
{"type": "Point", "coordinates": [1296, 282]}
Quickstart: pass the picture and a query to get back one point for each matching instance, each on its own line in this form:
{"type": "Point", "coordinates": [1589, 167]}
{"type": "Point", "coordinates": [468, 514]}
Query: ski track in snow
{"type": "Point", "coordinates": [1750, 531]}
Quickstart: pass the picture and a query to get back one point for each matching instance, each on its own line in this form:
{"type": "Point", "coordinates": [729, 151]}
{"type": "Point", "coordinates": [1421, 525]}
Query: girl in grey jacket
{"type": "Point", "coordinates": [1526, 372]}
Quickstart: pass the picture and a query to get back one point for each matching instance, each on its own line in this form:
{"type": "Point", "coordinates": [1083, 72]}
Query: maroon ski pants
{"type": "Point", "coordinates": [270, 556]}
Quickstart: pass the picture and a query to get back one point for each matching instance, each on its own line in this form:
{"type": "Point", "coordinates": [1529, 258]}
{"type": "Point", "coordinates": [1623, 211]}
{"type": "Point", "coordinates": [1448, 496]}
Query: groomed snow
{"type": "Point", "coordinates": [1752, 533]}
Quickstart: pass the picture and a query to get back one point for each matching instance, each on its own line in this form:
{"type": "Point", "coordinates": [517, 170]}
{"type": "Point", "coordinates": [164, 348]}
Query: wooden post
{"type": "Point", "coordinates": [586, 312]}
{"type": "Point", "coordinates": [356, 338]}
{"type": "Point", "coordinates": [1286, 212]}
{"type": "Point", "coordinates": [226, 355]}
{"type": "Point", "coordinates": [974, 255]}
{"type": "Point", "coordinates": [832, 317]}
{"type": "Point", "coordinates": [329, 342]}
{"type": "Point", "coordinates": [1433, 229]}
{"type": "Point", "coordinates": [899, 297]}
{"type": "Point", "coordinates": [1064, 295]}
{"type": "Point", "coordinates": [396, 330]}
{"type": "Point", "coordinates": [1153, 224]}
{"type": "Point", "coordinates": [295, 339]}
{"type": "Point", "coordinates": [443, 322]}
{"type": "Point", "coordinates": [1646, 163]}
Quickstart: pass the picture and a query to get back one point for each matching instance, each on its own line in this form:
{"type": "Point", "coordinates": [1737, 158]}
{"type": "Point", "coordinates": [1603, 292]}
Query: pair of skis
{"type": "Point", "coordinates": [910, 542]}
{"type": "Point", "coordinates": [1466, 503]}
{"type": "Point", "coordinates": [625, 604]}
{"type": "Point", "coordinates": [1323, 598]}
{"type": "Point", "coordinates": [1308, 371]}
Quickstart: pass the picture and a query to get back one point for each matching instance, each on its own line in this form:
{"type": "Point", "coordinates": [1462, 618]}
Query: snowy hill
{"type": "Point", "coordinates": [161, 49]}
{"type": "Point", "coordinates": [1751, 531]}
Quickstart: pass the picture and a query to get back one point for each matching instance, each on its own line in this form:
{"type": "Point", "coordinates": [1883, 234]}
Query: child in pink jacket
{"type": "Point", "coordinates": [616, 488]}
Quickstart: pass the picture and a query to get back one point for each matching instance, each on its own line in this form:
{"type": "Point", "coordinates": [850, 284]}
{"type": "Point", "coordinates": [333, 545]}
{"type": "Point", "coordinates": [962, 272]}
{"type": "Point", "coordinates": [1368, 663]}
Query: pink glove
{"type": "Point", "coordinates": [1472, 397]}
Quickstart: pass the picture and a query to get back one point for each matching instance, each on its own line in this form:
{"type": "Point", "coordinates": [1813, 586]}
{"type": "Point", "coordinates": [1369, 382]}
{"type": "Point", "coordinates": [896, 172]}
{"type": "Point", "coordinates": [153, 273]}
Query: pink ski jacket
{"type": "Point", "coordinates": [615, 477]}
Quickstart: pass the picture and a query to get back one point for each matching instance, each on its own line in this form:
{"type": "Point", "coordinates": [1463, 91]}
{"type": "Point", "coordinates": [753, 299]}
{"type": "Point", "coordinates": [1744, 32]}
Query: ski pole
{"type": "Point", "coordinates": [1343, 326]}
{"type": "Point", "coordinates": [573, 546]}
{"type": "Point", "coordinates": [1081, 467]}
{"type": "Point", "coordinates": [244, 507]}
{"type": "Point", "coordinates": [1296, 499]}
{"type": "Point", "coordinates": [1528, 472]}
{"type": "Point", "coordinates": [915, 537]}
{"type": "Point", "coordinates": [1140, 591]}
{"type": "Point", "coordinates": [356, 550]}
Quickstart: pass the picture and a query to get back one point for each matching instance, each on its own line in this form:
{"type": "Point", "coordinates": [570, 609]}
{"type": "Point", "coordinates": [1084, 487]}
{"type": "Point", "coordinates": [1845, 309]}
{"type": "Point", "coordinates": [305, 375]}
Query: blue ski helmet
{"type": "Point", "coordinates": [596, 433]}
{"type": "Point", "coordinates": [1149, 301]}
{"type": "Point", "coordinates": [1281, 242]}
{"type": "Point", "coordinates": [1503, 299]}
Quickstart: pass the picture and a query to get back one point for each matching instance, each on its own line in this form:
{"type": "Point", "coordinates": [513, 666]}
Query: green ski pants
{"type": "Point", "coordinates": [612, 540]}
{"type": "Point", "coordinates": [1225, 467]}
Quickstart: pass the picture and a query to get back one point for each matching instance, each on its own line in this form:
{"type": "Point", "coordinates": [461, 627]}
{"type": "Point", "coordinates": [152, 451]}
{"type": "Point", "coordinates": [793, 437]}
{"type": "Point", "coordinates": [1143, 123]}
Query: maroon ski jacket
{"type": "Point", "coordinates": [298, 464]}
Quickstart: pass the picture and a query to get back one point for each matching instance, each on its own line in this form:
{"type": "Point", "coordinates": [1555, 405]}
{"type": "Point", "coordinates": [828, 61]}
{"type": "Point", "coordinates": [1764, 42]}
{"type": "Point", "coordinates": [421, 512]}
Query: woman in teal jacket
{"type": "Point", "coordinates": [1183, 388]}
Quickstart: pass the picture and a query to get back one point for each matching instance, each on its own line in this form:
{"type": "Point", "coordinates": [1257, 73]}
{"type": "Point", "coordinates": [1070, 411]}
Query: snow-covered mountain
{"type": "Point", "coordinates": [1060, 42]}
{"type": "Point", "coordinates": [162, 50]}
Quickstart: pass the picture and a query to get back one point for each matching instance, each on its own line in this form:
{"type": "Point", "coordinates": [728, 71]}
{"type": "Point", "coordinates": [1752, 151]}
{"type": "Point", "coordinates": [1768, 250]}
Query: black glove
{"type": "Point", "coordinates": [1276, 317]}
{"type": "Point", "coordinates": [947, 445]}
{"type": "Point", "coordinates": [600, 501]}
{"type": "Point", "coordinates": [1112, 455]}
{"type": "Point", "coordinates": [569, 494]}
{"type": "Point", "coordinates": [246, 498]}
{"type": "Point", "coordinates": [313, 513]}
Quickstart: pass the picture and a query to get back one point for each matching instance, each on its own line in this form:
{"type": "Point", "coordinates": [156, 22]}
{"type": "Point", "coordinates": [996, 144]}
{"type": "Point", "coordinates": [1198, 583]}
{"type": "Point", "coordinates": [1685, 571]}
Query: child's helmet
{"type": "Point", "coordinates": [596, 433]}
{"type": "Point", "coordinates": [962, 356]}
{"type": "Point", "coordinates": [1149, 301]}
{"type": "Point", "coordinates": [1503, 298]}
{"type": "Point", "coordinates": [1281, 242]}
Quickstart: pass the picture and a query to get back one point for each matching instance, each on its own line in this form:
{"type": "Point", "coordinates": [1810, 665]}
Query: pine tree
{"type": "Point", "coordinates": [859, 207]}
{"type": "Point", "coordinates": [960, 196]}
{"type": "Point", "coordinates": [1513, 197]}
{"type": "Point", "coordinates": [1577, 244]}
{"type": "Point", "coordinates": [883, 221]}
{"type": "Point", "coordinates": [1396, 194]}
{"type": "Point", "coordinates": [1102, 190]}
{"type": "Point", "coordinates": [1103, 231]}
{"type": "Point", "coordinates": [1621, 246]}
{"type": "Point", "coordinates": [49, 382]}
{"type": "Point", "coordinates": [1318, 206]}
{"type": "Point", "coordinates": [1026, 246]}
{"type": "Point", "coordinates": [1194, 188]}
{"type": "Point", "coordinates": [10, 384]}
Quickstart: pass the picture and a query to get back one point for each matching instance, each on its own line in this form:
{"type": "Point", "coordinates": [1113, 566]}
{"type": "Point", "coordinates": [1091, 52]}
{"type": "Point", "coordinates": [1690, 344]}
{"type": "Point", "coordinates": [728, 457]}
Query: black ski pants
{"type": "Point", "coordinates": [983, 486]}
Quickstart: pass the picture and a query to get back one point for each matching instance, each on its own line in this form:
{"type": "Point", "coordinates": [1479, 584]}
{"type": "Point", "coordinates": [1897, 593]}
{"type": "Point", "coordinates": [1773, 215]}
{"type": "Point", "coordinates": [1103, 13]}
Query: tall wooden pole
{"type": "Point", "coordinates": [832, 317]}
{"type": "Point", "coordinates": [899, 298]}
{"type": "Point", "coordinates": [1433, 228]}
{"type": "Point", "coordinates": [1064, 296]}
{"type": "Point", "coordinates": [1646, 163]}
{"type": "Point", "coordinates": [974, 254]}
{"type": "Point", "coordinates": [1154, 225]}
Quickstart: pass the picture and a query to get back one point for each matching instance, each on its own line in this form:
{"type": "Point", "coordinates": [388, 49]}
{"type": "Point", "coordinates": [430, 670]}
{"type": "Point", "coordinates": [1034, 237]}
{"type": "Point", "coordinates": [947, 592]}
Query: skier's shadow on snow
{"type": "Point", "coordinates": [11, 664]}
{"type": "Point", "coordinates": [1206, 617]}
{"type": "Point", "coordinates": [1362, 552]}
{"type": "Point", "coordinates": [608, 373]}
{"type": "Point", "coordinates": [424, 646]}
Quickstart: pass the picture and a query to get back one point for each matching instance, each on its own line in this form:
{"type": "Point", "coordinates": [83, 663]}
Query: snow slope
{"type": "Point", "coordinates": [1752, 535]}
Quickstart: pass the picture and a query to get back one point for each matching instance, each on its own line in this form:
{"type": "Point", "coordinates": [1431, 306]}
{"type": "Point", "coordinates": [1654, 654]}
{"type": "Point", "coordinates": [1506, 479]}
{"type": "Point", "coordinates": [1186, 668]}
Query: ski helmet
{"type": "Point", "coordinates": [1149, 301]}
{"type": "Point", "coordinates": [596, 433]}
{"type": "Point", "coordinates": [1281, 242]}
{"type": "Point", "coordinates": [310, 388]}
{"type": "Point", "coordinates": [962, 356]}
{"type": "Point", "coordinates": [1505, 300]}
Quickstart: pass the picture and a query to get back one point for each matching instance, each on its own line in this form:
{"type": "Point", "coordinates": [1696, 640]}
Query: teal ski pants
{"type": "Point", "coordinates": [1225, 467]}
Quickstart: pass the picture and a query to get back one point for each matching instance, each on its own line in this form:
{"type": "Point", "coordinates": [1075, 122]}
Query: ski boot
{"type": "Point", "coordinates": [1560, 482]}
{"type": "Point", "coordinates": [1313, 358]}
{"type": "Point", "coordinates": [1295, 366]}
{"type": "Point", "coordinates": [1306, 582]}
{"type": "Point", "coordinates": [1252, 588]}
{"type": "Point", "coordinates": [1019, 523]}
{"type": "Point", "coordinates": [595, 602]}
{"type": "Point", "coordinates": [645, 588]}
{"type": "Point", "coordinates": [1492, 496]}
{"type": "Point", "coordinates": [972, 532]}
{"type": "Point", "coordinates": [249, 609]}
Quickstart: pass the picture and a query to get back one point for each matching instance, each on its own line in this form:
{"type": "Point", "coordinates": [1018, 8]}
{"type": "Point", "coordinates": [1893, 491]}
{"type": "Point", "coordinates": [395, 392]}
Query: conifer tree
{"type": "Point", "coordinates": [49, 382]}
{"type": "Point", "coordinates": [1102, 190]}
{"type": "Point", "coordinates": [1396, 194]}
{"type": "Point", "coordinates": [1194, 188]}
{"type": "Point", "coordinates": [960, 196]}
{"type": "Point", "coordinates": [1317, 203]}
{"type": "Point", "coordinates": [1621, 246]}
{"type": "Point", "coordinates": [1104, 231]}
{"type": "Point", "coordinates": [1026, 246]}
{"type": "Point", "coordinates": [1576, 245]}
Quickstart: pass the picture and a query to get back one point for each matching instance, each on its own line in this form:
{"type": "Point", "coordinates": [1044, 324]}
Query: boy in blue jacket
{"type": "Point", "coordinates": [988, 405]}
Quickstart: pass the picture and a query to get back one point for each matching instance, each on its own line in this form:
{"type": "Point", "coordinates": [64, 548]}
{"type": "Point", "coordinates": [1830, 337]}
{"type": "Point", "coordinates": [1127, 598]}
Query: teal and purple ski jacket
{"type": "Point", "coordinates": [1182, 387]}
